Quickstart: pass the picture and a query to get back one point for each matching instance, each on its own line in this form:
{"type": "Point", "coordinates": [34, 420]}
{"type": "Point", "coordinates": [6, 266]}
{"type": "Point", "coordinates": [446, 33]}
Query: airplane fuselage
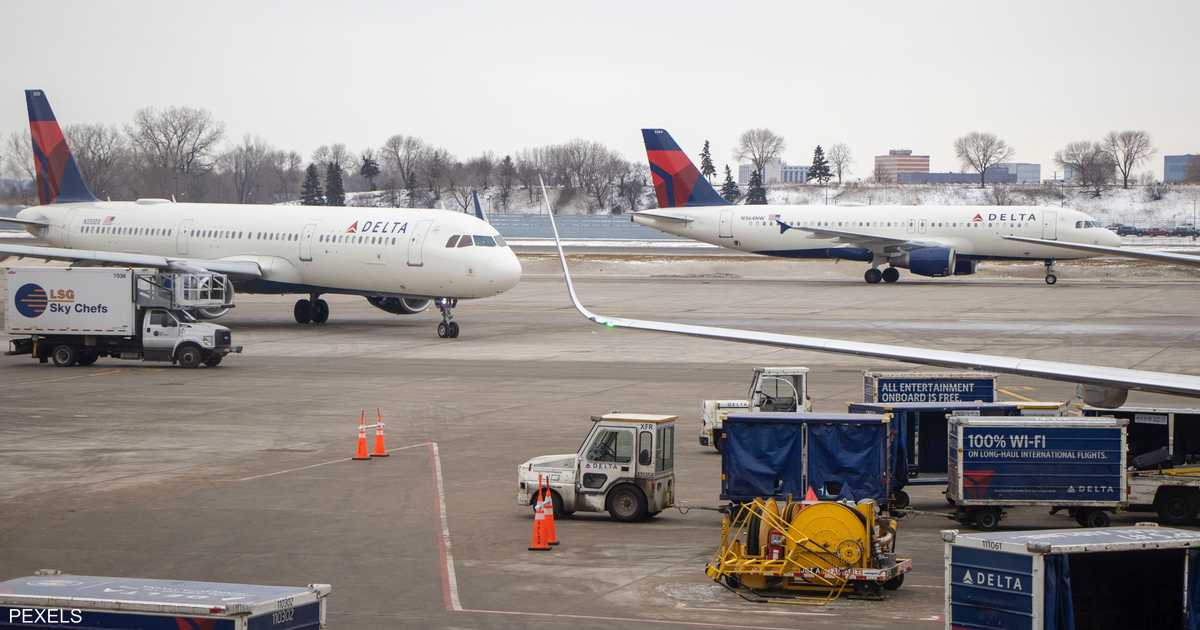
{"type": "Point", "coordinates": [301, 249]}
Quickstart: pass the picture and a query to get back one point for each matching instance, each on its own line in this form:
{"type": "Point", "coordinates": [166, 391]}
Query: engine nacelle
{"type": "Point", "coordinates": [399, 306]}
{"type": "Point", "coordinates": [964, 267]}
{"type": "Point", "coordinates": [930, 261]}
{"type": "Point", "coordinates": [1102, 396]}
{"type": "Point", "coordinates": [210, 313]}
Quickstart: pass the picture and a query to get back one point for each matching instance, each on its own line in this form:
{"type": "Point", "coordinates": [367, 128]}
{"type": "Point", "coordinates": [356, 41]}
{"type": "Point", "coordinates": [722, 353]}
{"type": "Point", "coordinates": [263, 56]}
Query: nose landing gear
{"type": "Point", "coordinates": [1050, 277]}
{"type": "Point", "coordinates": [448, 329]}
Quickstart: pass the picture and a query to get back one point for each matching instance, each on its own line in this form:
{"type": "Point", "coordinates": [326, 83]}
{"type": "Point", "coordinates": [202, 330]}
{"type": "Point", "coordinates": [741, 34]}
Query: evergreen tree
{"type": "Point", "coordinates": [310, 191]}
{"type": "Point", "coordinates": [335, 191]}
{"type": "Point", "coordinates": [819, 170]}
{"type": "Point", "coordinates": [706, 166]}
{"type": "Point", "coordinates": [729, 190]}
{"type": "Point", "coordinates": [756, 195]}
{"type": "Point", "coordinates": [369, 169]}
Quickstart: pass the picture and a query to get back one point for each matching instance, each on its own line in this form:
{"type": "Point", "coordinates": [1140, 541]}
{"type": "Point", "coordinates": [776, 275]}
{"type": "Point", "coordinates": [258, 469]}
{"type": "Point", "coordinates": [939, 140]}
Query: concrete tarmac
{"type": "Point", "coordinates": [241, 473]}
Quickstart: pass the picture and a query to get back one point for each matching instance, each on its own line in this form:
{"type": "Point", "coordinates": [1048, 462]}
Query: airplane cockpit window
{"type": "Point", "coordinates": [484, 241]}
{"type": "Point", "coordinates": [465, 241]}
{"type": "Point", "coordinates": [500, 241]}
{"type": "Point", "coordinates": [1087, 224]}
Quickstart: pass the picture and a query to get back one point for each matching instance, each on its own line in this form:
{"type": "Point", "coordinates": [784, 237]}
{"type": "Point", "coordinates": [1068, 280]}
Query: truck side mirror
{"type": "Point", "coordinates": [644, 458]}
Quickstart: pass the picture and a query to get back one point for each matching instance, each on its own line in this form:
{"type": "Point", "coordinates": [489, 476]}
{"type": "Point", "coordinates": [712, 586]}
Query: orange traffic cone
{"type": "Point", "coordinates": [361, 452]}
{"type": "Point", "coordinates": [548, 516]}
{"type": "Point", "coordinates": [538, 542]}
{"type": "Point", "coordinates": [379, 450]}
{"type": "Point", "coordinates": [810, 496]}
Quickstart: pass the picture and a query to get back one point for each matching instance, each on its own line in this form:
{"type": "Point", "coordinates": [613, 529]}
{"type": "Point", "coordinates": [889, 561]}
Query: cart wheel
{"type": "Point", "coordinates": [1175, 506]}
{"type": "Point", "coordinates": [988, 519]}
{"type": "Point", "coordinates": [627, 504]}
{"type": "Point", "coordinates": [894, 583]}
{"type": "Point", "coordinates": [900, 500]}
{"type": "Point", "coordinates": [732, 581]}
{"type": "Point", "coordinates": [1096, 518]}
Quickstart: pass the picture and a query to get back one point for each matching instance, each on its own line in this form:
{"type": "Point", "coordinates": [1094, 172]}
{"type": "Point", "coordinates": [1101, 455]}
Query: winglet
{"type": "Point", "coordinates": [479, 213]}
{"type": "Point", "coordinates": [562, 258]}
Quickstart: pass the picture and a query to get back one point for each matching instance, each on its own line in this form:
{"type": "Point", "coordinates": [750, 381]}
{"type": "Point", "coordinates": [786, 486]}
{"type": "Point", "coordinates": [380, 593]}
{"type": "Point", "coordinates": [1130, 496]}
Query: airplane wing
{"type": "Point", "coordinates": [1173, 257]}
{"type": "Point", "coordinates": [665, 216]}
{"type": "Point", "coordinates": [862, 239]}
{"type": "Point", "coordinates": [1107, 377]}
{"type": "Point", "coordinates": [24, 221]}
{"type": "Point", "coordinates": [234, 267]}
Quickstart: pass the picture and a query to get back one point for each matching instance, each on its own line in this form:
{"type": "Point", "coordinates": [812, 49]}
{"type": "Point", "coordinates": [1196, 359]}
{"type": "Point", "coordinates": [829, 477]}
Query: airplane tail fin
{"type": "Point", "coordinates": [479, 213]}
{"type": "Point", "coordinates": [58, 177]}
{"type": "Point", "coordinates": [677, 182]}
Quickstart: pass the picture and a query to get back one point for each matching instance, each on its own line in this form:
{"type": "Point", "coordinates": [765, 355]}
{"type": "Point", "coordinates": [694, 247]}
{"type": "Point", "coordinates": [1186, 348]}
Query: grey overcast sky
{"type": "Point", "coordinates": [505, 75]}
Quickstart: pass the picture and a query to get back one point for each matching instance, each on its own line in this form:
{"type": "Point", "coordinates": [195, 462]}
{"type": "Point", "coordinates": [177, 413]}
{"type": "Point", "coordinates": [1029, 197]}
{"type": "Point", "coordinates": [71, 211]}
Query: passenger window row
{"type": "Point", "coordinates": [351, 239]}
{"type": "Point", "coordinates": [125, 231]}
{"type": "Point", "coordinates": [480, 240]}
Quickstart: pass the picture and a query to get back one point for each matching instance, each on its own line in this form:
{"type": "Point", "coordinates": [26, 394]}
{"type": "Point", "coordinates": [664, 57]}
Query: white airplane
{"type": "Point", "coordinates": [929, 241]}
{"type": "Point", "coordinates": [1098, 386]}
{"type": "Point", "coordinates": [401, 260]}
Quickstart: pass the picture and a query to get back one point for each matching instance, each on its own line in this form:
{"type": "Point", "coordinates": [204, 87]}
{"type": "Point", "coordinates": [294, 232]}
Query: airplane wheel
{"type": "Point", "coordinates": [873, 276]}
{"type": "Point", "coordinates": [302, 312]}
{"type": "Point", "coordinates": [443, 330]}
{"type": "Point", "coordinates": [320, 312]}
{"type": "Point", "coordinates": [1051, 278]}
{"type": "Point", "coordinates": [891, 274]}
{"type": "Point", "coordinates": [452, 330]}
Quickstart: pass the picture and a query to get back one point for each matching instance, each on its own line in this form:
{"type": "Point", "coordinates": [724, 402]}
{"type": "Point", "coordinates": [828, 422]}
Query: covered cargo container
{"type": "Point", "coordinates": [1153, 429]}
{"type": "Point", "coordinates": [1069, 463]}
{"type": "Point", "coordinates": [1072, 579]}
{"type": "Point", "coordinates": [922, 434]}
{"type": "Point", "coordinates": [893, 387]}
{"type": "Point", "coordinates": [782, 455]}
{"type": "Point", "coordinates": [85, 601]}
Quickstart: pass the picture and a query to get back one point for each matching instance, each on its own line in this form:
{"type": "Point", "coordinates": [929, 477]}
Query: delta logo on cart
{"type": "Point", "coordinates": [31, 300]}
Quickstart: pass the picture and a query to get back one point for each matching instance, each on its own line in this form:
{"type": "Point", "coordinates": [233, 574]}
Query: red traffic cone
{"type": "Point", "coordinates": [361, 452]}
{"type": "Point", "coordinates": [548, 516]}
{"type": "Point", "coordinates": [379, 450]}
{"type": "Point", "coordinates": [538, 541]}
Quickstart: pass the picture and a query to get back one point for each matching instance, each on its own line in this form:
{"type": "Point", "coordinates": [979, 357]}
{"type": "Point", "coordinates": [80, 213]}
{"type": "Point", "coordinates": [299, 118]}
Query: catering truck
{"type": "Point", "coordinates": [53, 600]}
{"type": "Point", "coordinates": [76, 315]}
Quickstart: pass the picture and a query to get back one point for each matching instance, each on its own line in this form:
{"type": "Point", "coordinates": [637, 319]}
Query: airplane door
{"type": "Point", "coordinates": [416, 243]}
{"type": "Point", "coordinates": [306, 242]}
{"type": "Point", "coordinates": [725, 229]}
{"type": "Point", "coordinates": [181, 236]}
{"type": "Point", "coordinates": [1050, 225]}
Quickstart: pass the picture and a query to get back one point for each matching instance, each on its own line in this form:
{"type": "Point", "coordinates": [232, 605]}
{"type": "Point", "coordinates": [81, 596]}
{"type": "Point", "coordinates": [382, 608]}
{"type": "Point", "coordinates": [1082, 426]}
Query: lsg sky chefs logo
{"type": "Point", "coordinates": [32, 300]}
{"type": "Point", "coordinates": [44, 616]}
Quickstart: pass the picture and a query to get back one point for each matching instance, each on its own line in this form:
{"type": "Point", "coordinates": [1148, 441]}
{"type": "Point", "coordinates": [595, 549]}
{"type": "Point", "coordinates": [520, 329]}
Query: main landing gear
{"type": "Point", "coordinates": [314, 310]}
{"type": "Point", "coordinates": [1050, 277]}
{"type": "Point", "coordinates": [874, 275]}
{"type": "Point", "coordinates": [448, 329]}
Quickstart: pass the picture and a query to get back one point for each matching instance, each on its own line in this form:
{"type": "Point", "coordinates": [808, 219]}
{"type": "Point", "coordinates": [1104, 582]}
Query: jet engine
{"type": "Point", "coordinates": [964, 267]}
{"type": "Point", "coordinates": [210, 313]}
{"type": "Point", "coordinates": [929, 261]}
{"type": "Point", "coordinates": [1102, 396]}
{"type": "Point", "coordinates": [399, 306]}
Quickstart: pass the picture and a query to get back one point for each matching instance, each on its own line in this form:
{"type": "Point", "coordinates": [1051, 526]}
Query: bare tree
{"type": "Point", "coordinates": [529, 168]}
{"type": "Point", "coordinates": [839, 157]}
{"type": "Point", "coordinates": [479, 170]}
{"type": "Point", "coordinates": [403, 156]}
{"type": "Point", "coordinates": [336, 153]}
{"type": "Point", "coordinates": [102, 154]}
{"type": "Point", "coordinates": [436, 171]}
{"type": "Point", "coordinates": [981, 151]}
{"type": "Point", "coordinates": [506, 174]}
{"type": "Point", "coordinates": [177, 146]}
{"type": "Point", "coordinates": [1090, 163]}
{"type": "Point", "coordinates": [631, 183]}
{"type": "Point", "coordinates": [286, 166]}
{"type": "Point", "coordinates": [16, 161]}
{"type": "Point", "coordinates": [759, 146]}
{"type": "Point", "coordinates": [249, 165]}
{"type": "Point", "coordinates": [1127, 149]}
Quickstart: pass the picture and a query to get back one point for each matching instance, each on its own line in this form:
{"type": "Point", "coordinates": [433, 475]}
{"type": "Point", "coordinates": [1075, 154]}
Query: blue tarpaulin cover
{"type": "Point", "coordinates": [763, 456]}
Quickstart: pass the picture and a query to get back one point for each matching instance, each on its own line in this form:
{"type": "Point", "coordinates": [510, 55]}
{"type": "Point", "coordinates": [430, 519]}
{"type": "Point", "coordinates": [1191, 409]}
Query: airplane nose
{"type": "Point", "coordinates": [508, 271]}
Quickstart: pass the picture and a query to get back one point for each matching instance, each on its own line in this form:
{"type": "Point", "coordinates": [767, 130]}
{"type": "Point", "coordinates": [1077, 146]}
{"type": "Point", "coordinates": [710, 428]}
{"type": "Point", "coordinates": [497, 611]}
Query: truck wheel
{"type": "Point", "coordinates": [87, 358]}
{"type": "Point", "coordinates": [555, 499]}
{"type": "Point", "coordinates": [987, 519]}
{"type": "Point", "coordinates": [626, 504]}
{"type": "Point", "coordinates": [894, 583]}
{"type": "Point", "coordinates": [213, 361]}
{"type": "Point", "coordinates": [64, 355]}
{"type": "Point", "coordinates": [900, 500]}
{"type": "Point", "coordinates": [1095, 518]}
{"type": "Point", "coordinates": [1175, 506]}
{"type": "Point", "coordinates": [189, 356]}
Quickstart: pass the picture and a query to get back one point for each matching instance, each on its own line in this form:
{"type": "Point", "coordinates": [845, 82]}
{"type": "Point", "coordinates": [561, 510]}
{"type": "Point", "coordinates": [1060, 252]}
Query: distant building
{"type": "Point", "coordinates": [1025, 172]}
{"type": "Point", "coordinates": [775, 172]}
{"type": "Point", "coordinates": [1069, 176]}
{"type": "Point", "coordinates": [897, 161]}
{"type": "Point", "coordinates": [994, 175]}
{"type": "Point", "coordinates": [1175, 167]}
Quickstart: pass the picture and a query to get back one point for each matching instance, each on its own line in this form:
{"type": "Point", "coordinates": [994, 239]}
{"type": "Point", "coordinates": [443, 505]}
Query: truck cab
{"type": "Point", "coordinates": [174, 335]}
{"type": "Point", "coordinates": [782, 389]}
{"type": "Point", "coordinates": [625, 466]}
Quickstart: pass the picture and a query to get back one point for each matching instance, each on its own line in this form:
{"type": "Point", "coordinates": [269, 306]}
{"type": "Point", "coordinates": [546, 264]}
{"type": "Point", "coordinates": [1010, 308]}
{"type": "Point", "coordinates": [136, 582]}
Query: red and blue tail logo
{"type": "Point", "coordinates": [677, 182]}
{"type": "Point", "coordinates": [58, 178]}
